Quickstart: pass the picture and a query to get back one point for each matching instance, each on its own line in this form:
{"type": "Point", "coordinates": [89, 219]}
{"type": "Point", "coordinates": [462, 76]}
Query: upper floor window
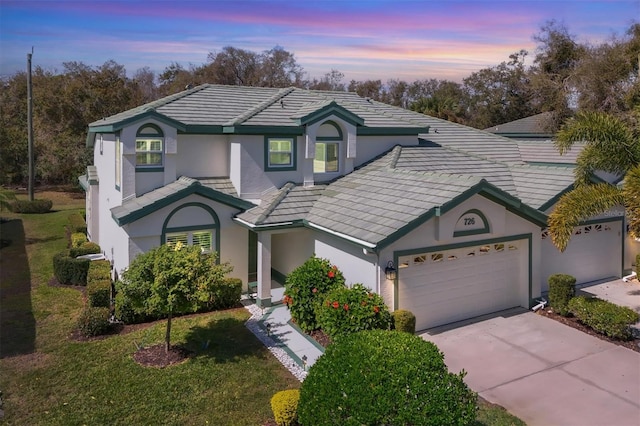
{"type": "Point", "coordinates": [149, 147]}
{"type": "Point", "coordinates": [280, 153]}
{"type": "Point", "coordinates": [327, 148]}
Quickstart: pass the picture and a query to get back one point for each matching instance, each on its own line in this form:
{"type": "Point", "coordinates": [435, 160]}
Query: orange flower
{"type": "Point", "coordinates": [376, 309]}
{"type": "Point", "coordinates": [331, 274]}
{"type": "Point", "coordinates": [346, 307]}
{"type": "Point", "coordinates": [315, 290]}
{"type": "Point", "coordinates": [336, 304]}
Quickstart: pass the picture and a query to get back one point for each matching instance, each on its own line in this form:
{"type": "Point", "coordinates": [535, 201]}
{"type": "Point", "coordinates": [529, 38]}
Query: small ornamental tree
{"type": "Point", "coordinates": [307, 286]}
{"type": "Point", "coordinates": [179, 278]}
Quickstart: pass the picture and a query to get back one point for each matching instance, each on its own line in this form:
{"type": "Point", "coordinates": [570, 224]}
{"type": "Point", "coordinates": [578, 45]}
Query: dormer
{"type": "Point", "coordinates": [330, 140]}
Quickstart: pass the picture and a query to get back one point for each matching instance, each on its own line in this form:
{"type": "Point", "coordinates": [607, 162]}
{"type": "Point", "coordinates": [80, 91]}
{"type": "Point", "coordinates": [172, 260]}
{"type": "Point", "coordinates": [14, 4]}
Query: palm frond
{"type": "Point", "coordinates": [579, 205]}
{"type": "Point", "coordinates": [631, 191]}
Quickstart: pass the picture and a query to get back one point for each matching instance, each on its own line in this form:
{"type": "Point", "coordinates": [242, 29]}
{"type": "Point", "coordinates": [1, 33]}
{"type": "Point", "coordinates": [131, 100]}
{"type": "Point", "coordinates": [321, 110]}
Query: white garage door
{"type": "Point", "coordinates": [445, 286]}
{"type": "Point", "coordinates": [594, 253]}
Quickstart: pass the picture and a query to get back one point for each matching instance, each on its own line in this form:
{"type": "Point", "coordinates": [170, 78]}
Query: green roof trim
{"type": "Point", "coordinates": [114, 127]}
{"type": "Point", "coordinates": [391, 131]}
{"type": "Point", "coordinates": [194, 188]}
{"type": "Point", "coordinates": [326, 110]}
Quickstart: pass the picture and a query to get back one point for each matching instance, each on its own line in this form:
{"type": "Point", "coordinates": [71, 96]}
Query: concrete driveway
{"type": "Point", "coordinates": [542, 371]}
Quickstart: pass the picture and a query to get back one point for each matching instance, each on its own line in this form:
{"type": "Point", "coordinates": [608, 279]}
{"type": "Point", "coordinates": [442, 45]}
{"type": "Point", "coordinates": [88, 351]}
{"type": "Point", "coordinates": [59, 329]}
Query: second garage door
{"type": "Point", "coordinates": [441, 287]}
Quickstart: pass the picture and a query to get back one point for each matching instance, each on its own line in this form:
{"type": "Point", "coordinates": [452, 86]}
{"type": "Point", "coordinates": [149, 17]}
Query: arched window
{"type": "Point", "coordinates": [327, 159]}
{"type": "Point", "coordinates": [149, 147]}
{"type": "Point", "coordinates": [193, 224]}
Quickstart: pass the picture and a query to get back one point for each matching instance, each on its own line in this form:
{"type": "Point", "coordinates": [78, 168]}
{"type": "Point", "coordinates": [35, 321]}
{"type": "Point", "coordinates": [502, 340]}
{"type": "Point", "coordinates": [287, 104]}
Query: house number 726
{"type": "Point", "coordinates": [469, 221]}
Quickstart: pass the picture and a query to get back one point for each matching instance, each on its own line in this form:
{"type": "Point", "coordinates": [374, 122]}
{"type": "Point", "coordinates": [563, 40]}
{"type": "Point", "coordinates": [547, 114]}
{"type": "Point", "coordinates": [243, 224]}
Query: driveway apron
{"type": "Point", "coordinates": [542, 371]}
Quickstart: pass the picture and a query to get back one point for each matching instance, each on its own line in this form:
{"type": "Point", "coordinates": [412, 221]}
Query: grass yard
{"type": "Point", "coordinates": [48, 378]}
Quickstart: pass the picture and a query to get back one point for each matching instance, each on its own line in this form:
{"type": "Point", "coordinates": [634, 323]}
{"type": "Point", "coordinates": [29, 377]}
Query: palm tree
{"type": "Point", "coordinates": [612, 146]}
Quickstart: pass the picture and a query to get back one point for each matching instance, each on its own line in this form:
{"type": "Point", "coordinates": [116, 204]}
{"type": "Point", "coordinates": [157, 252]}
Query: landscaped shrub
{"type": "Point", "coordinates": [77, 223]}
{"type": "Point", "coordinates": [349, 310]}
{"type": "Point", "coordinates": [35, 206]}
{"type": "Point", "coordinates": [561, 290]}
{"type": "Point", "coordinates": [99, 270]}
{"type": "Point", "coordinates": [125, 310]}
{"type": "Point", "coordinates": [284, 405]}
{"type": "Point", "coordinates": [68, 270]}
{"type": "Point", "coordinates": [638, 265]}
{"type": "Point", "coordinates": [380, 377]}
{"type": "Point", "coordinates": [99, 293]}
{"type": "Point", "coordinates": [78, 239]}
{"type": "Point", "coordinates": [604, 317]}
{"type": "Point", "coordinates": [307, 286]}
{"type": "Point", "coordinates": [226, 294]}
{"type": "Point", "coordinates": [86, 248]}
{"type": "Point", "coordinates": [94, 321]}
{"type": "Point", "coordinates": [404, 320]}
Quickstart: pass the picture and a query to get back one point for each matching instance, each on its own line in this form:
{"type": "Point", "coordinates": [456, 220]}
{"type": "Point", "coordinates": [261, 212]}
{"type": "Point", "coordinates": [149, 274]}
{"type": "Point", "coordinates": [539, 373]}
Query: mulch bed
{"type": "Point", "coordinates": [633, 344]}
{"type": "Point", "coordinates": [156, 356]}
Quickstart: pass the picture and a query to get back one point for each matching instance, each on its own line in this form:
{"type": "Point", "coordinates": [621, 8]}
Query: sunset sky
{"type": "Point", "coordinates": [364, 39]}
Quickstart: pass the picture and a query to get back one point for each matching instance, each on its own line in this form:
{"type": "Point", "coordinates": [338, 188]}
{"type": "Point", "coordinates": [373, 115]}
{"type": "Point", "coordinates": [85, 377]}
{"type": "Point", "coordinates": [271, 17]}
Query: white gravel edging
{"type": "Point", "coordinates": [280, 354]}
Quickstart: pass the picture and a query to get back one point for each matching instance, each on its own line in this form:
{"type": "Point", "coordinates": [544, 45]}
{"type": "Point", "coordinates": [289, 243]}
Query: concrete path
{"type": "Point", "coordinates": [542, 371]}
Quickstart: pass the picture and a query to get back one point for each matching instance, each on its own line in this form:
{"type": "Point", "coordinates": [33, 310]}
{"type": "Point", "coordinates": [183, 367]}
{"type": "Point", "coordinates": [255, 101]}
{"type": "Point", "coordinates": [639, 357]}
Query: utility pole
{"type": "Point", "coordinates": [30, 126]}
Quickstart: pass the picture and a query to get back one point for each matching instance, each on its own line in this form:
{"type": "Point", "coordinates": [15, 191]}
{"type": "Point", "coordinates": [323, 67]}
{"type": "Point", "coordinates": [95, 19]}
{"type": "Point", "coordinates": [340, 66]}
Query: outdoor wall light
{"type": "Point", "coordinates": [268, 325]}
{"type": "Point", "coordinates": [390, 271]}
{"type": "Point", "coordinates": [304, 362]}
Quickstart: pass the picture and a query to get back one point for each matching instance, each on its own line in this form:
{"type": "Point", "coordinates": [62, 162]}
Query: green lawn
{"type": "Point", "coordinates": [48, 378]}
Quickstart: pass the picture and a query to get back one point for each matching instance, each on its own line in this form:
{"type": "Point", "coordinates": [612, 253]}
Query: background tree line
{"type": "Point", "coordinates": [565, 75]}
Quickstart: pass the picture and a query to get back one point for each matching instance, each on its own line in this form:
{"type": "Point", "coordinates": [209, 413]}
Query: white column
{"type": "Point", "coordinates": [264, 269]}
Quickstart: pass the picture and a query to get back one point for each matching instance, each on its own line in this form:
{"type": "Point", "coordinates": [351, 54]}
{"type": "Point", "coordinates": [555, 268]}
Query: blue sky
{"type": "Point", "coordinates": [364, 39]}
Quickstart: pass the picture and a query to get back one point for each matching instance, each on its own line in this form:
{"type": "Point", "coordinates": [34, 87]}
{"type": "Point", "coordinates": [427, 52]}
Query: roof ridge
{"type": "Point", "coordinates": [172, 98]}
{"type": "Point", "coordinates": [260, 107]}
{"type": "Point", "coordinates": [283, 192]}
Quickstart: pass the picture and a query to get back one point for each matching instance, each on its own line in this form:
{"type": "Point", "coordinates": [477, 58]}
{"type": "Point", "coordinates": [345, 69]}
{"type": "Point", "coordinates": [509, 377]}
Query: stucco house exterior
{"type": "Point", "coordinates": [268, 177]}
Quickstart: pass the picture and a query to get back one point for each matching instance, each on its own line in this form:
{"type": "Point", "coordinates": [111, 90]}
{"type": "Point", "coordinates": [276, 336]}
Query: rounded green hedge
{"type": "Point", "coordinates": [284, 405]}
{"type": "Point", "coordinates": [94, 321]}
{"type": "Point", "coordinates": [404, 320]}
{"type": "Point", "coordinates": [561, 290]}
{"type": "Point", "coordinates": [380, 377]}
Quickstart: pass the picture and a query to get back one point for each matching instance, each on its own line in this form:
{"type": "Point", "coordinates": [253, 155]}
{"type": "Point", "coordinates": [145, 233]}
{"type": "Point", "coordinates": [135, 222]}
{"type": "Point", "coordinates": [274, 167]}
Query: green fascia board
{"type": "Point", "coordinates": [391, 131]}
{"type": "Point", "coordinates": [195, 188]}
{"type": "Point", "coordinates": [201, 129]}
{"type": "Point", "coordinates": [556, 198]}
{"type": "Point", "coordinates": [262, 130]}
{"type": "Point", "coordinates": [118, 125]}
{"type": "Point", "coordinates": [331, 109]}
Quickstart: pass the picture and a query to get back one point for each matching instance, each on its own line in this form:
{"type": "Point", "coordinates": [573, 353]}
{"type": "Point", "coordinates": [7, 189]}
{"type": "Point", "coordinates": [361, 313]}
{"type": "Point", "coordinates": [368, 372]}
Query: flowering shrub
{"type": "Point", "coordinates": [379, 377]}
{"type": "Point", "coordinates": [305, 288]}
{"type": "Point", "coordinates": [348, 310]}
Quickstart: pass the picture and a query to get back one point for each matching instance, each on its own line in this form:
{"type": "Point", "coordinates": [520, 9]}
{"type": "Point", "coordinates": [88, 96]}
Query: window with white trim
{"type": "Point", "coordinates": [280, 153]}
{"type": "Point", "coordinates": [326, 159]}
{"type": "Point", "coordinates": [149, 144]}
{"type": "Point", "coordinates": [203, 239]}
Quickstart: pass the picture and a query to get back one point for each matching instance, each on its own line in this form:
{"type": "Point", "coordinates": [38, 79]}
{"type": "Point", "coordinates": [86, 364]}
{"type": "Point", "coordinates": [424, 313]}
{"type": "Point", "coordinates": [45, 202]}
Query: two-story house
{"type": "Point", "coordinates": [268, 177]}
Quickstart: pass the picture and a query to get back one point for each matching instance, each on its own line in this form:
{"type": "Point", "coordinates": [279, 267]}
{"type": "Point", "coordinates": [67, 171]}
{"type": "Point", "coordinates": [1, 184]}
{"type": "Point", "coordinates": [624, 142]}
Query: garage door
{"type": "Point", "coordinates": [441, 287]}
{"type": "Point", "coordinates": [594, 253]}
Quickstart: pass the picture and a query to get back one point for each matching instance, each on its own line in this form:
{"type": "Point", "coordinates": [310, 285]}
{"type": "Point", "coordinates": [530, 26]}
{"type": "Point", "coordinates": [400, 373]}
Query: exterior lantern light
{"type": "Point", "coordinates": [390, 271]}
{"type": "Point", "coordinates": [304, 362]}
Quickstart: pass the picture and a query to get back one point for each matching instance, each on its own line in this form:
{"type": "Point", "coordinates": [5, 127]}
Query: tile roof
{"type": "Point", "coordinates": [546, 152]}
{"type": "Point", "coordinates": [532, 125]}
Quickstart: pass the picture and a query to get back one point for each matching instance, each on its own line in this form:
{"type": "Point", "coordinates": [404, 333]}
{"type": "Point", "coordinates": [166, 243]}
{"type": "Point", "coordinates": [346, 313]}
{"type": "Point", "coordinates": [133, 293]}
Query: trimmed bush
{"type": "Point", "coordinates": [561, 290]}
{"type": "Point", "coordinates": [99, 270]}
{"type": "Point", "coordinates": [349, 310]}
{"type": "Point", "coordinates": [404, 320]}
{"type": "Point", "coordinates": [307, 286]}
{"type": "Point", "coordinates": [68, 270]}
{"type": "Point", "coordinates": [99, 293]}
{"type": "Point", "coordinates": [77, 223]}
{"type": "Point", "coordinates": [284, 405]}
{"type": "Point", "coordinates": [78, 239]}
{"type": "Point", "coordinates": [604, 317]}
{"type": "Point", "coordinates": [379, 377]}
{"type": "Point", "coordinates": [86, 248]}
{"type": "Point", "coordinates": [226, 294]}
{"type": "Point", "coordinates": [125, 310]}
{"type": "Point", "coordinates": [35, 206]}
{"type": "Point", "coordinates": [94, 321]}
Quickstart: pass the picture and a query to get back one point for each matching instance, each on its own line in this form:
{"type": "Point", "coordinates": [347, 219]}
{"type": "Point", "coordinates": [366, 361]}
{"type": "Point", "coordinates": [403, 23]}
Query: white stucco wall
{"type": "Point", "coordinates": [290, 249]}
{"type": "Point", "coordinates": [203, 156]}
